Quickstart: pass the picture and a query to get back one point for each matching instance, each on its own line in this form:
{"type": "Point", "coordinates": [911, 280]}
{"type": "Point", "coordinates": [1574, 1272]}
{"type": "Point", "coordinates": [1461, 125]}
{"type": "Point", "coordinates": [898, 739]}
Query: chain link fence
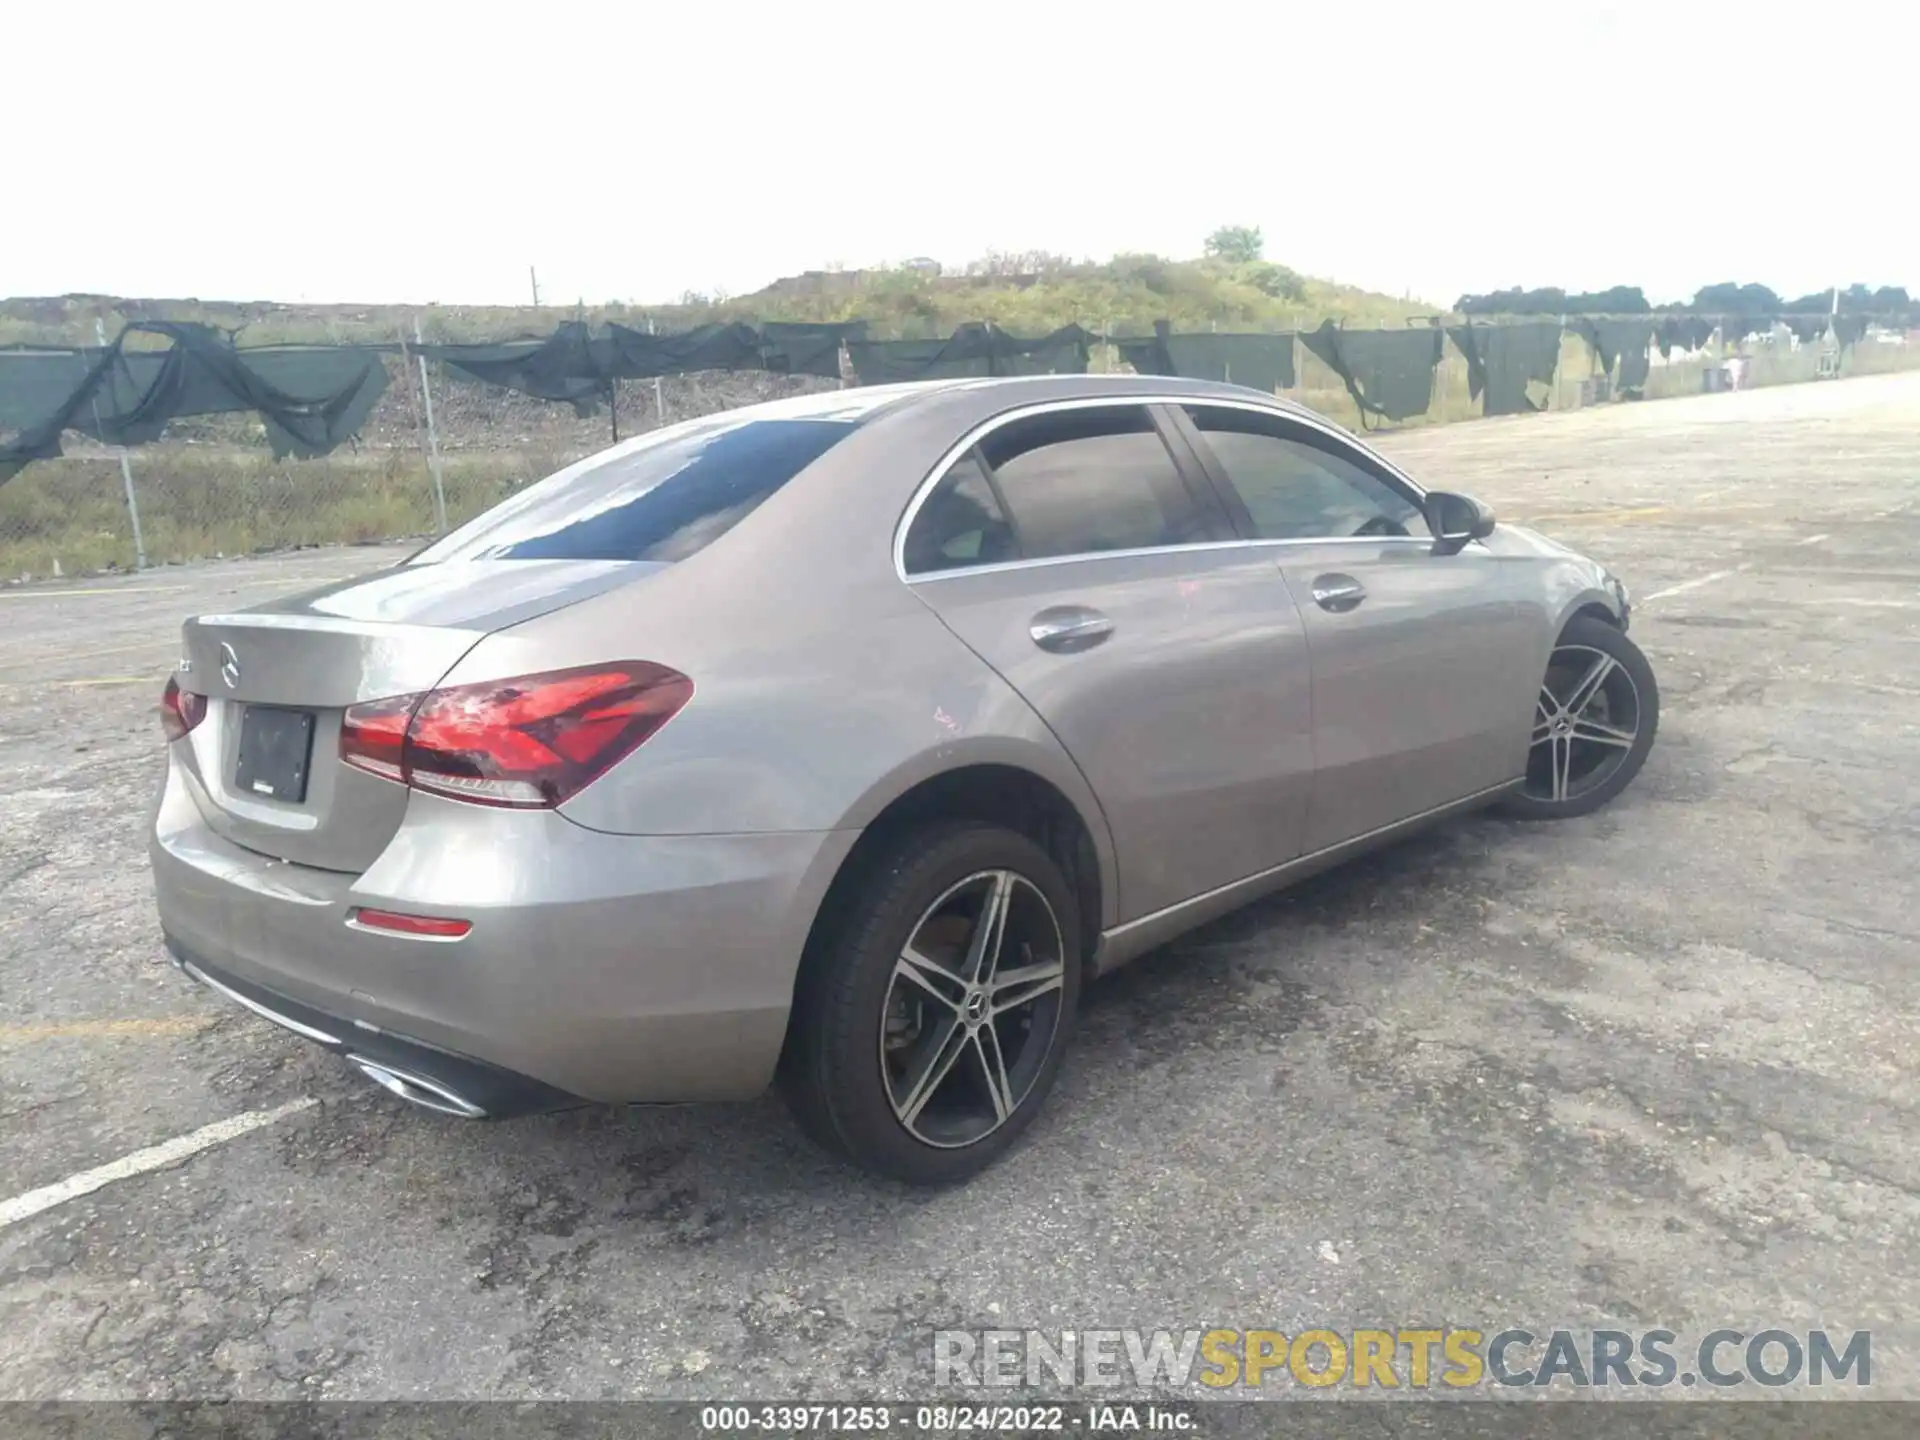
{"type": "Point", "coordinates": [211, 488]}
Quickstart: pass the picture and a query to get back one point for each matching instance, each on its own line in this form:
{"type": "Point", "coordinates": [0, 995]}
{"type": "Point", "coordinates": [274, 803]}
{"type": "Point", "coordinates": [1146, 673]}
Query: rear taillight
{"type": "Point", "coordinates": [180, 710]}
{"type": "Point", "coordinates": [532, 741]}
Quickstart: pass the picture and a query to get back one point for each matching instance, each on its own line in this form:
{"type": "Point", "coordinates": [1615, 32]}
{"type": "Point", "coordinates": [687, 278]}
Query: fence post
{"type": "Point", "coordinates": [433, 435]}
{"type": "Point", "coordinates": [659, 392]}
{"type": "Point", "coordinates": [133, 511]}
{"type": "Point", "coordinates": [406, 378]}
{"type": "Point", "coordinates": [126, 465]}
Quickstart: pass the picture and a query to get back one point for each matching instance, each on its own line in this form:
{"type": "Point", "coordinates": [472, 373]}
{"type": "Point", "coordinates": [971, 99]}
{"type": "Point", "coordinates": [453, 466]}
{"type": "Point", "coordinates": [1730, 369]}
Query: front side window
{"type": "Point", "coordinates": [1081, 481]}
{"type": "Point", "coordinates": [662, 498]}
{"type": "Point", "coordinates": [1299, 485]}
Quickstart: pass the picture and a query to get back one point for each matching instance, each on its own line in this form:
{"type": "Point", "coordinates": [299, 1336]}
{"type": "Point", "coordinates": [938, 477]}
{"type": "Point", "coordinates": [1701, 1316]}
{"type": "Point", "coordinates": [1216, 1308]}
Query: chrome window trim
{"type": "Point", "coordinates": [1425, 542]}
{"type": "Point", "coordinates": [1305, 419]}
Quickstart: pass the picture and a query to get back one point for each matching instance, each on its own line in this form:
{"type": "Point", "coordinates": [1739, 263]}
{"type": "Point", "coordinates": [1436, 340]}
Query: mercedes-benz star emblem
{"type": "Point", "coordinates": [229, 665]}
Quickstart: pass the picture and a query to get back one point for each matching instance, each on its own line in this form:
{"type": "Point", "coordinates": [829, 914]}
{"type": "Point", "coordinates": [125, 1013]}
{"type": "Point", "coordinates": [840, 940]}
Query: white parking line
{"type": "Point", "coordinates": [1686, 585]}
{"type": "Point", "coordinates": [101, 590]}
{"type": "Point", "coordinates": [1813, 539]}
{"type": "Point", "coordinates": [154, 1157]}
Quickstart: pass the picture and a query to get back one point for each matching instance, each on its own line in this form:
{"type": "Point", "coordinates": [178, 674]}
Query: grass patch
{"type": "Point", "coordinates": [1029, 295]}
{"type": "Point", "coordinates": [198, 504]}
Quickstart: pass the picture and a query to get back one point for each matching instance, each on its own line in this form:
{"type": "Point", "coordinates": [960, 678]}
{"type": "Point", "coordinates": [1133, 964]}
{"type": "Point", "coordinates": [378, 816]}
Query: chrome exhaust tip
{"type": "Point", "coordinates": [416, 1089]}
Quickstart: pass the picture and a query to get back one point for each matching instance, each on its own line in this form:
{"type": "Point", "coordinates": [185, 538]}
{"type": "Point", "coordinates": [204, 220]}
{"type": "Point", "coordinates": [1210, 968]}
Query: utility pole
{"type": "Point", "coordinates": [534, 280]}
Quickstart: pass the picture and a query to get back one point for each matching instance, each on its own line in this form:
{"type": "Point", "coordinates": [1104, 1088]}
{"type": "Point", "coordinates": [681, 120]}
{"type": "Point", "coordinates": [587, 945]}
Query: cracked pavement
{"type": "Point", "coordinates": [1652, 1067]}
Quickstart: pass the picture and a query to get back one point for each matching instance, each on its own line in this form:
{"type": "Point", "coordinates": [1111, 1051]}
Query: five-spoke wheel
{"type": "Point", "coordinates": [1593, 722]}
{"type": "Point", "coordinates": [972, 1009]}
{"type": "Point", "coordinates": [934, 1007]}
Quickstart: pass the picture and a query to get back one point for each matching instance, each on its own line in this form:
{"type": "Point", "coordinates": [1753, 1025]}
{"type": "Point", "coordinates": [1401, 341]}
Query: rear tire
{"type": "Point", "coordinates": [928, 1071]}
{"type": "Point", "coordinates": [1594, 723]}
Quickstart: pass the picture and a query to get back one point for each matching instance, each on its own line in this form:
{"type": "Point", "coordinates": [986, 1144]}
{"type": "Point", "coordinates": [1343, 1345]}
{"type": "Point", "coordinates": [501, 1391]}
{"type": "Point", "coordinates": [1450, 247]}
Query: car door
{"type": "Point", "coordinates": [1068, 549]}
{"type": "Point", "coordinates": [1423, 682]}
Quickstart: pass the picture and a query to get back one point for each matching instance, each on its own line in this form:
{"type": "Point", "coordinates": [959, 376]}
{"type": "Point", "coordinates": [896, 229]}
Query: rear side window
{"type": "Point", "coordinates": [667, 498]}
{"type": "Point", "coordinates": [1068, 482]}
{"type": "Point", "coordinates": [1299, 485]}
{"type": "Point", "coordinates": [961, 523]}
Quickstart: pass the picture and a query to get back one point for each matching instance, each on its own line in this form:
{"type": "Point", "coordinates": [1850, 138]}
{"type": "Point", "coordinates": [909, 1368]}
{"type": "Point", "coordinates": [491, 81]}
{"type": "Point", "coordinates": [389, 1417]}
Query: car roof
{"type": "Point", "coordinates": [985, 397]}
{"type": "Point", "coordinates": [859, 403]}
{"type": "Point", "coordinates": [1015, 387]}
{"type": "Point", "coordinates": [862, 402]}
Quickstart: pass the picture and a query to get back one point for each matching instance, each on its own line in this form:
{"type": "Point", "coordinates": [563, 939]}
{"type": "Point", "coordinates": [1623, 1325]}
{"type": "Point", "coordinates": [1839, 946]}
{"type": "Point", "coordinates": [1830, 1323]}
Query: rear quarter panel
{"type": "Point", "coordinates": [823, 687]}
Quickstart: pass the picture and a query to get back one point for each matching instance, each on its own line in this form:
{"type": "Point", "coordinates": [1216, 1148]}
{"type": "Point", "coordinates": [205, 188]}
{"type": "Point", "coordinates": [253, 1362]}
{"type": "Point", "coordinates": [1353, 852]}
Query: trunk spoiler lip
{"type": "Point", "coordinates": [328, 624]}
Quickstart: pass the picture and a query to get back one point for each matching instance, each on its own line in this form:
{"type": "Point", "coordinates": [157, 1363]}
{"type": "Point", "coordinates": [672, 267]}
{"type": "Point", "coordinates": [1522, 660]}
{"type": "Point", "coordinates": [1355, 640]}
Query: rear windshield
{"type": "Point", "coordinates": [667, 497]}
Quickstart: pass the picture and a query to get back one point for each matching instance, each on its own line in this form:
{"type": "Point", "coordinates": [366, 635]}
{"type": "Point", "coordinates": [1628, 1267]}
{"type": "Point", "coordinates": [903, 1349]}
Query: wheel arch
{"type": "Point", "coordinates": [1594, 602]}
{"type": "Point", "coordinates": [1604, 632]}
{"type": "Point", "coordinates": [993, 789]}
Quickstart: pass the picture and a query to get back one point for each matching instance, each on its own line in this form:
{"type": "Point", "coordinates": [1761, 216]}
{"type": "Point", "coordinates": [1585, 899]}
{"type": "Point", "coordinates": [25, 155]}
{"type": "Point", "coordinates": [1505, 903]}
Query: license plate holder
{"type": "Point", "coordinates": [276, 752]}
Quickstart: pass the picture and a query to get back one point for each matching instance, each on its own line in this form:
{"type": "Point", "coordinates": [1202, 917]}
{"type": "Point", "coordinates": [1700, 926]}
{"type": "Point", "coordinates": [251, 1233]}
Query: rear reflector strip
{"type": "Point", "coordinates": [425, 927]}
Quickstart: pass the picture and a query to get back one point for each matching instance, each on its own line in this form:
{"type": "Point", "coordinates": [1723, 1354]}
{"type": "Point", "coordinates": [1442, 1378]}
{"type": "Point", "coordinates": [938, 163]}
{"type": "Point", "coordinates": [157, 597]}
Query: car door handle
{"type": "Point", "coordinates": [1338, 592]}
{"type": "Point", "coordinates": [1064, 629]}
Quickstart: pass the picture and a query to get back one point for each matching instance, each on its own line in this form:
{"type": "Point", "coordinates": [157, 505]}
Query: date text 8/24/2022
{"type": "Point", "coordinates": [943, 1418]}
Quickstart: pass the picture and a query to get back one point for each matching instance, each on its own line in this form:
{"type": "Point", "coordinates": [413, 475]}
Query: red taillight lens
{"type": "Point", "coordinates": [373, 736]}
{"type": "Point", "coordinates": [432, 926]}
{"type": "Point", "coordinates": [530, 742]}
{"type": "Point", "coordinates": [180, 710]}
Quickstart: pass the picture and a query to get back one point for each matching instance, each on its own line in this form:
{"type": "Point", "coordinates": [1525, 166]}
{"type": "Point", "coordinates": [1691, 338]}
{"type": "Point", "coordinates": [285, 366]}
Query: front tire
{"type": "Point", "coordinates": [1593, 723]}
{"type": "Point", "coordinates": [935, 1005]}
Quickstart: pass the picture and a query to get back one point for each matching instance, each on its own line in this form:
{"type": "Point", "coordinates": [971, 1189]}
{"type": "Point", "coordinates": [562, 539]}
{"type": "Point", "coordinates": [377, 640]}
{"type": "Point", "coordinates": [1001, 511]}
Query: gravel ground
{"type": "Point", "coordinates": [1653, 1067]}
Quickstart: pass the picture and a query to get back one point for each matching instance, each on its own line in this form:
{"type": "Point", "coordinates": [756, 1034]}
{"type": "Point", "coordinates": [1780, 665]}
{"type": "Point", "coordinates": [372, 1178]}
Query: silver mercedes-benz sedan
{"type": "Point", "coordinates": [841, 740]}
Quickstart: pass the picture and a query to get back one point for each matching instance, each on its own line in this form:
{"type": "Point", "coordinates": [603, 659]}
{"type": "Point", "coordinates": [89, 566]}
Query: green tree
{"type": "Point", "coordinates": [1236, 243]}
{"type": "Point", "coordinates": [1271, 279]}
{"type": "Point", "coordinates": [1733, 299]}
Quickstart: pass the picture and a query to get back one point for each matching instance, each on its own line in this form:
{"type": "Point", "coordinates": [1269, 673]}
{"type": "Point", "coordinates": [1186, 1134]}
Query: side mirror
{"type": "Point", "coordinates": [1456, 521]}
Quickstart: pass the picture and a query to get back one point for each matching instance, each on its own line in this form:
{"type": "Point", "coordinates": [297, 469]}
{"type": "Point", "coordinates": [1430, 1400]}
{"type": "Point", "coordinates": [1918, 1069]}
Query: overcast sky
{"type": "Point", "coordinates": [414, 152]}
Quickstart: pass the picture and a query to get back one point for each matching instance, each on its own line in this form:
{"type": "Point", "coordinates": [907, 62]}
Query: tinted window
{"type": "Point", "coordinates": [1080, 481]}
{"type": "Point", "coordinates": [668, 497]}
{"type": "Point", "coordinates": [960, 523]}
{"type": "Point", "coordinates": [1070, 482]}
{"type": "Point", "coordinates": [1298, 485]}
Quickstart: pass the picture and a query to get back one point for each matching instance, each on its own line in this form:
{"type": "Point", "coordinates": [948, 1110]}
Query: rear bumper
{"type": "Point", "coordinates": [439, 1079]}
{"type": "Point", "coordinates": [611, 968]}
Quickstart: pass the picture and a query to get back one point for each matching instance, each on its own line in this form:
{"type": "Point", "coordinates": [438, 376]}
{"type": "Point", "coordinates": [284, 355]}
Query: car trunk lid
{"type": "Point", "coordinates": [264, 764]}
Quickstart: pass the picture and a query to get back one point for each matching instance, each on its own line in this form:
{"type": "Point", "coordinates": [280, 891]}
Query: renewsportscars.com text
{"type": "Point", "coordinates": [1413, 1358]}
